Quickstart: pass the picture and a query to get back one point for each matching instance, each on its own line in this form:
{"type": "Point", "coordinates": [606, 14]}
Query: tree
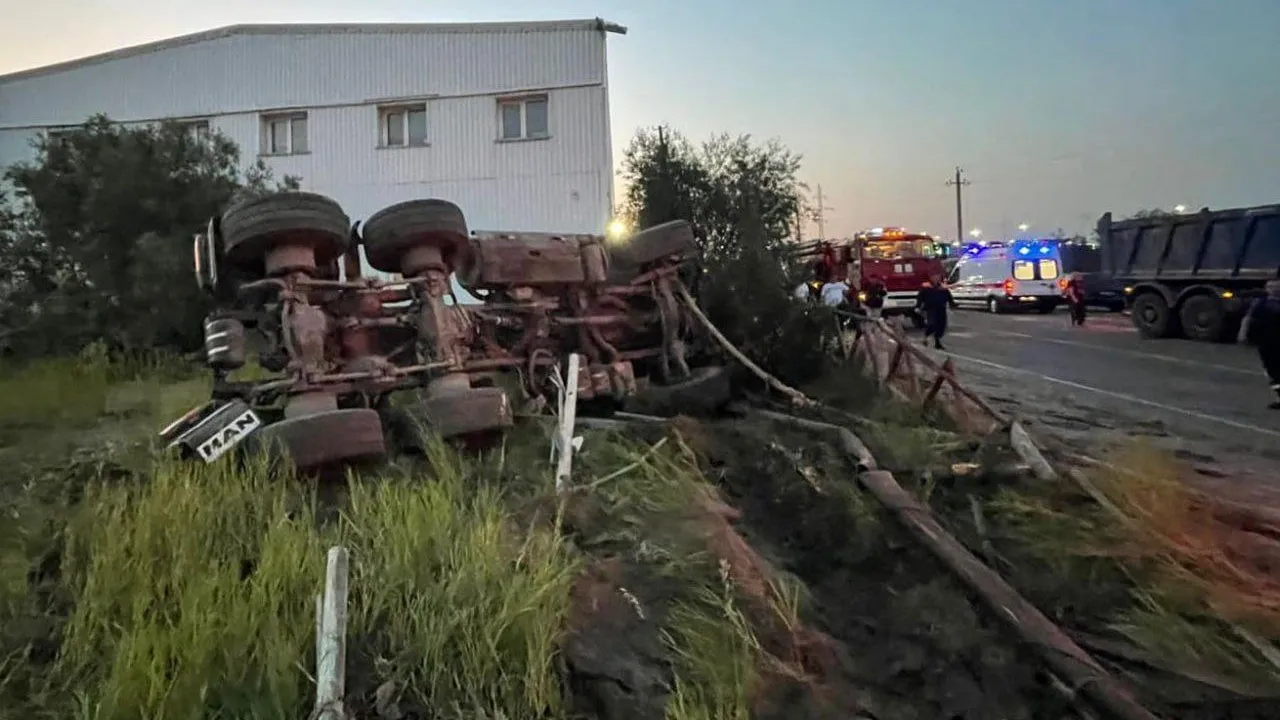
{"type": "Point", "coordinates": [104, 222]}
{"type": "Point", "coordinates": [742, 198]}
{"type": "Point", "coordinates": [1150, 214]}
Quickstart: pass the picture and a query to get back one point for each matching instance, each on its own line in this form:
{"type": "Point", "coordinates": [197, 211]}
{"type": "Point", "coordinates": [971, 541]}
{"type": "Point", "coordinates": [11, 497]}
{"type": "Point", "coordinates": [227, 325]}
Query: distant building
{"type": "Point", "coordinates": [508, 120]}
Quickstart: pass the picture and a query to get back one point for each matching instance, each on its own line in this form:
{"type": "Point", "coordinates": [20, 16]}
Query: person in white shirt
{"type": "Point", "coordinates": [835, 294]}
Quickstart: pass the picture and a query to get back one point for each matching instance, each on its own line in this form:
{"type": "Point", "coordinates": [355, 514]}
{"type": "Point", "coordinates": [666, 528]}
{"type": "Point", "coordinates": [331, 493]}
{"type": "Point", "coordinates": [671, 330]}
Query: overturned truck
{"type": "Point", "coordinates": [285, 273]}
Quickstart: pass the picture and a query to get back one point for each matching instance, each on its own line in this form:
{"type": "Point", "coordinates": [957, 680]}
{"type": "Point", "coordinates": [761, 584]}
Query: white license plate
{"type": "Point", "coordinates": [228, 436]}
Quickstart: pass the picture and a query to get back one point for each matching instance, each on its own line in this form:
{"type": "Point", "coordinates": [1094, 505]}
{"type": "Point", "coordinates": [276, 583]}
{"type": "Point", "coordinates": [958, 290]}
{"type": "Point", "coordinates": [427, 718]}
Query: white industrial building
{"type": "Point", "coordinates": [508, 120]}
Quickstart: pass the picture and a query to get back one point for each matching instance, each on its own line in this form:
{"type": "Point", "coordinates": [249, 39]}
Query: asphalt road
{"type": "Point", "coordinates": [1207, 401]}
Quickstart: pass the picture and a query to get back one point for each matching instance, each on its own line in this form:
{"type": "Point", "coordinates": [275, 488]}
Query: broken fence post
{"type": "Point", "coordinates": [331, 638]}
{"type": "Point", "coordinates": [564, 429]}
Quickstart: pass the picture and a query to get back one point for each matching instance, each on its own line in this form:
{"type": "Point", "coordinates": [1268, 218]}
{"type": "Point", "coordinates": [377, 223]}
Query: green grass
{"type": "Point", "coordinates": [133, 585]}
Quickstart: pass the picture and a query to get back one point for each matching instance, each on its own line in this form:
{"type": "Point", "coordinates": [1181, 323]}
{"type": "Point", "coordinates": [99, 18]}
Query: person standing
{"type": "Point", "coordinates": [876, 294]}
{"type": "Point", "coordinates": [1261, 327]}
{"type": "Point", "coordinates": [1076, 298]}
{"type": "Point", "coordinates": [933, 302]}
{"type": "Point", "coordinates": [835, 294]}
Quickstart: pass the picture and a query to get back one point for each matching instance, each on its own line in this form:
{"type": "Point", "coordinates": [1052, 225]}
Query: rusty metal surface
{"type": "Point", "coordinates": [348, 343]}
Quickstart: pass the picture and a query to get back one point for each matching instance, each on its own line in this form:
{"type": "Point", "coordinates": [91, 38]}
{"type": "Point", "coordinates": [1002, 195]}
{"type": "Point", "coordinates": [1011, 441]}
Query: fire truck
{"type": "Point", "coordinates": [903, 262]}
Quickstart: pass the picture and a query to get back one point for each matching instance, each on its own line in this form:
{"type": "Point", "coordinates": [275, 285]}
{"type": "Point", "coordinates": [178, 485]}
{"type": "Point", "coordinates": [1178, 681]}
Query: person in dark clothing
{"type": "Point", "coordinates": [1261, 327]}
{"type": "Point", "coordinates": [876, 293]}
{"type": "Point", "coordinates": [933, 302]}
{"type": "Point", "coordinates": [1076, 298]}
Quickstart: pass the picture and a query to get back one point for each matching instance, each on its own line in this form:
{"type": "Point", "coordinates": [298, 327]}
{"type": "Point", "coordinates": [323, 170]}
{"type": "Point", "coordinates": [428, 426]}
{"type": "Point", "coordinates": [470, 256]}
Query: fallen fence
{"type": "Point", "coordinates": [1068, 661]}
{"type": "Point", "coordinates": [880, 344]}
{"type": "Point", "coordinates": [916, 379]}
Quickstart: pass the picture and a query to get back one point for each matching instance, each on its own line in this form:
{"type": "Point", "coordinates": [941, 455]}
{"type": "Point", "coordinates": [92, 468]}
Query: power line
{"type": "Point", "coordinates": [959, 181]}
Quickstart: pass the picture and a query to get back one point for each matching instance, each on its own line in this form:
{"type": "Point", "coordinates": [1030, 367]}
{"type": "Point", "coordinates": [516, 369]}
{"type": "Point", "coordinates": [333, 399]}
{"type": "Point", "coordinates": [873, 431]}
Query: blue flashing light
{"type": "Point", "coordinates": [1024, 250]}
{"type": "Point", "coordinates": [1044, 249]}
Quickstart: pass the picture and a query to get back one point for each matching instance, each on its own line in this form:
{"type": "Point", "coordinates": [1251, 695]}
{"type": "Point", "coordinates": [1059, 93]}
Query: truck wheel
{"type": "Point", "coordinates": [706, 390]}
{"type": "Point", "coordinates": [1151, 315]}
{"type": "Point", "coordinates": [655, 243]}
{"type": "Point", "coordinates": [256, 227]}
{"type": "Point", "coordinates": [326, 438]}
{"type": "Point", "coordinates": [393, 232]}
{"type": "Point", "coordinates": [1202, 318]}
{"type": "Point", "coordinates": [473, 411]}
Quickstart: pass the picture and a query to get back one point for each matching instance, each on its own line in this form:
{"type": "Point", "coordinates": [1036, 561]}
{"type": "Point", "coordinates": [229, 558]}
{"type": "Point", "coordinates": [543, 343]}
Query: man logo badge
{"type": "Point", "coordinates": [229, 436]}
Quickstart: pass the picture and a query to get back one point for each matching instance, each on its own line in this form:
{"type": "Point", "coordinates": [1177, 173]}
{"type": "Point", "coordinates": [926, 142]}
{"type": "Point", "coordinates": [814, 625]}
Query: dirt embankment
{"type": "Point", "coordinates": [879, 629]}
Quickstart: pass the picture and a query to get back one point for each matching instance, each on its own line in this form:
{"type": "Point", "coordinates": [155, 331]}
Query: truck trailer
{"type": "Point", "coordinates": [1192, 275]}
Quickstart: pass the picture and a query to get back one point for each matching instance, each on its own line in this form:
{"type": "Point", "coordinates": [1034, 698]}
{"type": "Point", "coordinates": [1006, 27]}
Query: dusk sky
{"type": "Point", "coordinates": [1058, 109]}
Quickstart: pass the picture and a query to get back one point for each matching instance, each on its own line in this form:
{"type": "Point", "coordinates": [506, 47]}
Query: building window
{"type": "Point", "coordinates": [198, 129]}
{"type": "Point", "coordinates": [402, 126]}
{"type": "Point", "coordinates": [284, 134]}
{"type": "Point", "coordinates": [58, 136]}
{"type": "Point", "coordinates": [523, 118]}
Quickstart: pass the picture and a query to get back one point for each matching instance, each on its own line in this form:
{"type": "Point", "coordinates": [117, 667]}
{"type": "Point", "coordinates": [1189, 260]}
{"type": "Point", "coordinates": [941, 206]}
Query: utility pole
{"type": "Point", "coordinates": [820, 215]}
{"type": "Point", "coordinates": [959, 182]}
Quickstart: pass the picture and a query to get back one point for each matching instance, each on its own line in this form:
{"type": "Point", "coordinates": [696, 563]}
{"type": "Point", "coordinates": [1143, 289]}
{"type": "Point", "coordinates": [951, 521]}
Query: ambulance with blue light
{"type": "Point", "coordinates": [1003, 277]}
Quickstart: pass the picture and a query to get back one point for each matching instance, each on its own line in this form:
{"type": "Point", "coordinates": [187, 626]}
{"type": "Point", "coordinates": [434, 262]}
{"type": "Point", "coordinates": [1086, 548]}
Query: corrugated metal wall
{"type": "Point", "coordinates": [562, 183]}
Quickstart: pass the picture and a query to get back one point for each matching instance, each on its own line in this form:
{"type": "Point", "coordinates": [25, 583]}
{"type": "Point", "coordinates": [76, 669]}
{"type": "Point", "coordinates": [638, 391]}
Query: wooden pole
{"type": "Point", "coordinates": [331, 643]}
{"type": "Point", "coordinates": [1053, 645]}
{"type": "Point", "coordinates": [568, 417]}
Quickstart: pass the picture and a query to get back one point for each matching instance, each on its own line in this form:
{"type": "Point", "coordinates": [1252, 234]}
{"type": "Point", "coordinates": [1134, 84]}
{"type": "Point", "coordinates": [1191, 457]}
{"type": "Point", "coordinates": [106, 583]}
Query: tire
{"type": "Point", "coordinates": [327, 438]}
{"type": "Point", "coordinates": [669, 238]}
{"type": "Point", "coordinates": [994, 306]}
{"type": "Point", "coordinates": [253, 226]}
{"type": "Point", "coordinates": [466, 412]}
{"type": "Point", "coordinates": [1151, 315]}
{"type": "Point", "coordinates": [392, 231]}
{"type": "Point", "coordinates": [706, 391]}
{"type": "Point", "coordinates": [1202, 318]}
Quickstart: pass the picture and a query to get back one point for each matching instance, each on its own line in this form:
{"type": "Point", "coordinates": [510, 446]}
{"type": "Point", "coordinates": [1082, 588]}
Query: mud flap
{"type": "Point", "coordinates": [212, 430]}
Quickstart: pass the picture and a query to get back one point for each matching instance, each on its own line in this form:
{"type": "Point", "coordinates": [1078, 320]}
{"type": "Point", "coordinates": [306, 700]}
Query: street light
{"type": "Point", "coordinates": [977, 233]}
{"type": "Point", "coordinates": [1024, 227]}
{"type": "Point", "coordinates": [1179, 208]}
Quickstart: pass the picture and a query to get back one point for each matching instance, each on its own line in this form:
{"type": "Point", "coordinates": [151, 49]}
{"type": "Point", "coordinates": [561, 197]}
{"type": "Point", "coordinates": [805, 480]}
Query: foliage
{"type": "Point", "coordinates": [742, 198]}
{"type": "Point", "coordinates": [1151, 214]}
{"type": "Point", "coordinates": [101, 236]}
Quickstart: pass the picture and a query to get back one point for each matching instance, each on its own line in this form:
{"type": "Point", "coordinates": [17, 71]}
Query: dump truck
{"type": "Point", "coordinates": [1100, 288]}
{"type": "Point", "coordinates": [1192, 275]}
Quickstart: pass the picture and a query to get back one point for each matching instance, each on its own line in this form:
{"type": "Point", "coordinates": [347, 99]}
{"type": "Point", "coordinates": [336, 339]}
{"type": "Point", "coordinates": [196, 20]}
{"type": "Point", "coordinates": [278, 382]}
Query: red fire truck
{"type": "Point", "coordinates": [903, 261]}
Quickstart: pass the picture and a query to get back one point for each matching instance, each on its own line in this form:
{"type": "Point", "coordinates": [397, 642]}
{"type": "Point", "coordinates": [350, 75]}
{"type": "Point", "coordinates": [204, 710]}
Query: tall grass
{"type": "Point", "coordinates": [191, 592]}
{"type": "Point", "coordinates": [715, 655]}
{"type": "Point", "coordinates": [464, 608]}
{"type": "Point", "coordinates": [192, 595]}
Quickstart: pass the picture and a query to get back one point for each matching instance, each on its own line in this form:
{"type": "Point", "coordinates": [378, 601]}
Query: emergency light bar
{"type": "Point", "coordinates": [887, 233]}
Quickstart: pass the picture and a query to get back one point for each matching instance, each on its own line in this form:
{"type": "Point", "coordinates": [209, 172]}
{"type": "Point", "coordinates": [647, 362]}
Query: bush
{"type": "Point", "coordinates": [741, 198]}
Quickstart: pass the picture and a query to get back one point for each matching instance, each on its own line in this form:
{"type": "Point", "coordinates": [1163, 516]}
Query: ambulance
{"type": "Point", "coordinates": [1008, 277]}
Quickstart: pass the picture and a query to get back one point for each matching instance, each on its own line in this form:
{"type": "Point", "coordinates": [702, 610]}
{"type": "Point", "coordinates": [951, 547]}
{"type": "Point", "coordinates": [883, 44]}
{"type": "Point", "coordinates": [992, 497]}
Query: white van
{"type": "Point", "coordinates": [1002, 277]}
